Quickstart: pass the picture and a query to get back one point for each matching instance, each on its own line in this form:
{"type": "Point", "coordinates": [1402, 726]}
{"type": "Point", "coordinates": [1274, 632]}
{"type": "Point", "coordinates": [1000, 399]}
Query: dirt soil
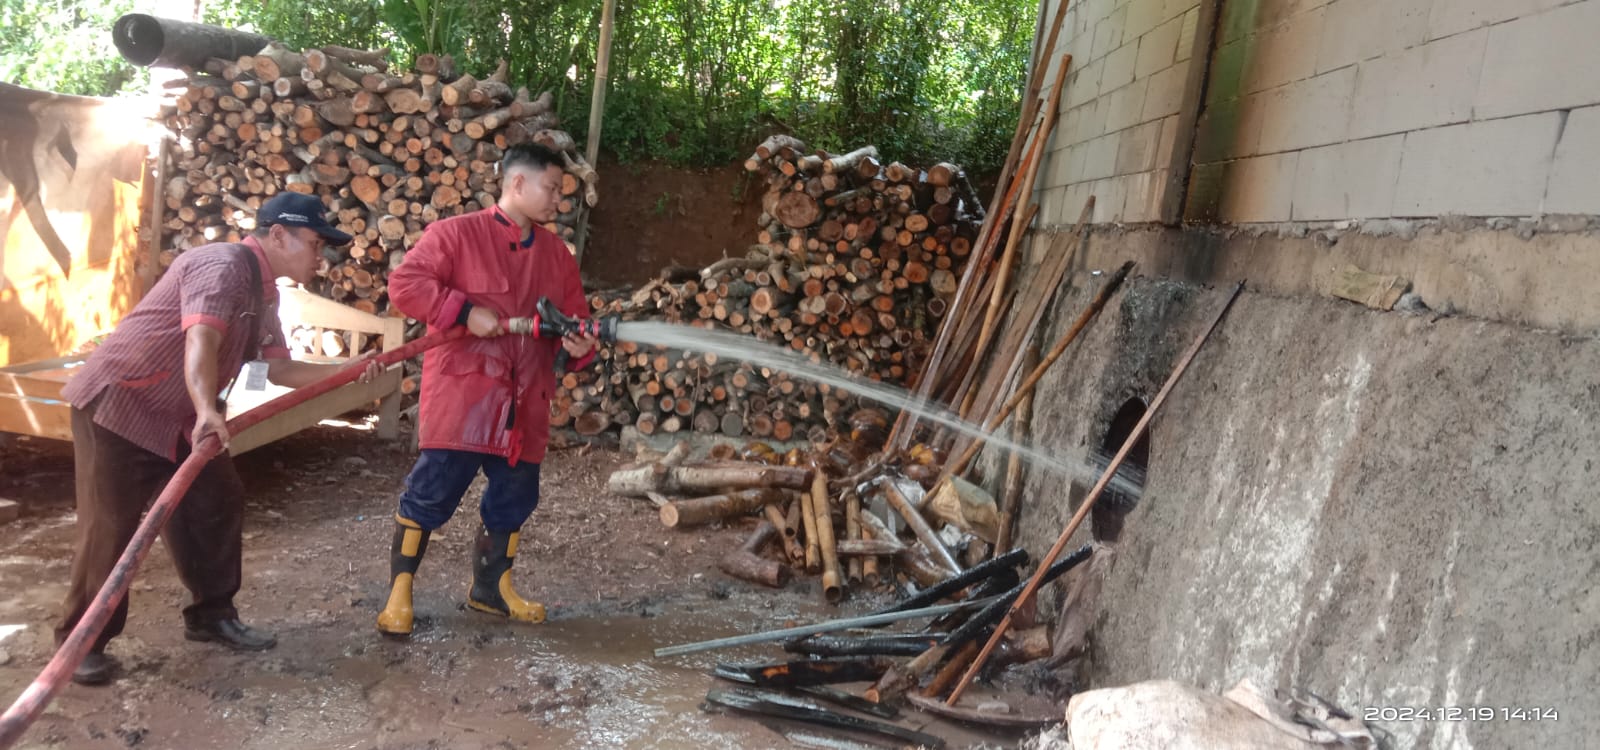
{"type": "Point", "coordinates": [655, 215]}
{"type": "Point", "coordinates": [317, 532]}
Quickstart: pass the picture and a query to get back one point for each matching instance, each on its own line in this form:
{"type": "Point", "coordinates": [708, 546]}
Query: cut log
{"type": "Point", "coordinates": [746, 563]}
{"type": "Point", "coordinates": [704, 510]}
{"type": "Point", "coordinates": [797, 210]}
{"type": "Point", "coordinates": [692, 479]}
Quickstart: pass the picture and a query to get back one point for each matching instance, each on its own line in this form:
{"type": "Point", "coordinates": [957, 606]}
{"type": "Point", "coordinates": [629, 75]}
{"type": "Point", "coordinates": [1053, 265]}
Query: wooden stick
{"type": "Point", "coordinates": [852, 531]}
{"type": "Point", "coordinates": [920, 527]}
{"type": "Point", "coordinates": [951, 670]}
{"type": "Point", "coordinates": [1023, 391]}
{"type": "Point", "coordinates": [832, 586]}
{"type": "Point", "coordinates": [1025, 598]}
{"type": "Point", "coordinates": [1019, 224]}
{"type": "Point", "coordinates": [1011, 492]}
{"type": "Point", "coordinates": [791, 546]}
{"type": "Point", "coordinates": [813, 536]}
{"type": "Point", "coordinates": [1023, 310]}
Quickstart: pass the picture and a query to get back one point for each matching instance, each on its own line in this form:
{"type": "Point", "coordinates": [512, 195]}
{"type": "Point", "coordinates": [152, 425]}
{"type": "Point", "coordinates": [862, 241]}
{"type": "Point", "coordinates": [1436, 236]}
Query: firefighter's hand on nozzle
{"type": "Point", "coordinates": [484, 323]}
{"type": "Point", "coordinates": [578, 346]}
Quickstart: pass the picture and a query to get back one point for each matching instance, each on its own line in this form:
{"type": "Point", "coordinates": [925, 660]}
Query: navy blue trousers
{"type": "Point", "coordinates": [439, 479]}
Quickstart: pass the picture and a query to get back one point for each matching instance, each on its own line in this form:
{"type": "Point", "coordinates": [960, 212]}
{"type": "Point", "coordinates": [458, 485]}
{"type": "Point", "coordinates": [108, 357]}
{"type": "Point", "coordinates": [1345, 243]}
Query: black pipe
{"type": "Point", "coordinates": [961, 580]}
{"type": "Point", "coordinates": [148, 41]}
{"type": "Point", "coordinates": [988, 616]}
{"type": "Point", "coordinates": [905, 644]}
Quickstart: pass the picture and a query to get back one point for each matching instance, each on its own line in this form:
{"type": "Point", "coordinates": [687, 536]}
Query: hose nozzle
{"type": "Point", "coordinates": [551, 323]}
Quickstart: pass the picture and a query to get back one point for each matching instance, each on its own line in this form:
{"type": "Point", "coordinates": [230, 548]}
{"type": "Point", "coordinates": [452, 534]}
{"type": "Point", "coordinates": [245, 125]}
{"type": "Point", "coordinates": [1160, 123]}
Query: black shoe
{"type": "Point", "coordinates": [96, 669]}
{"type": "Point", "coordinates": [233, 634]}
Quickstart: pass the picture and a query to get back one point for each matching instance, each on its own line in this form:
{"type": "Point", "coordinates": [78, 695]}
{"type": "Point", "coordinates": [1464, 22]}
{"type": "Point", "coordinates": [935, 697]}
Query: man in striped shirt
{"type": "Point", "coordinates": [151, 391]}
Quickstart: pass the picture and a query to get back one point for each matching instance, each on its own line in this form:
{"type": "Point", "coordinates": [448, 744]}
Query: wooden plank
{"type": "Point", "coordinates": [332, 404]}
{"type": "Point", "coordinates": [38, 417]}
{"type": "Point", "coordinates": [297, 306]}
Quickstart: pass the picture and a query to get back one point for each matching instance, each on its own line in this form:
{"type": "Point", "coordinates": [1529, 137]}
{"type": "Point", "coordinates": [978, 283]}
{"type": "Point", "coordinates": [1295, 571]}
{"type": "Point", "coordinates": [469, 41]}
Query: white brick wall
{"type": "Point", "coordinates": [1400, 108]}
{"type": "Point", "coordinates": [1118, 131]}
{"type": "Point", "coordinates": [1322, 110]}
{"type": "Point", "coordinates": [1577, 166]}
{"type": "Point", "coordinates": [1480, 168]}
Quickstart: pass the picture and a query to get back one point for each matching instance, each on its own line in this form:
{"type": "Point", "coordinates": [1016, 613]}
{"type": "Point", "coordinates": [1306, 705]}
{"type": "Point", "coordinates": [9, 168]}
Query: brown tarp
{"type": "Point", "coordinates": [72, 173]}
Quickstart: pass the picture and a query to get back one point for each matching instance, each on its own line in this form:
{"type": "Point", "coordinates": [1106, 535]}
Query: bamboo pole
{"type": "Point", "coordinates": [900, 435]}
{"type": "Point", "coordinates": [1019, 225]}
{"type": "Point", "coordinates": [1032, 586]}
{"type": "Point", "coordinates": [1024, 310]}
{"type": "Point", "coordinates": [1026, 388]}
{"type": "Point", "coordinates": [786, 536]}
{"type": "Point", "coordinates": [854, 570]}
{"type": "Point", "coordinates": [832, 586]}
{"type": "Point", "coordinates": [1011, 492]}
{"type": "Point", "coordinates": [597, 108]}
{"type": "Point", "coordinates": [808, 516]}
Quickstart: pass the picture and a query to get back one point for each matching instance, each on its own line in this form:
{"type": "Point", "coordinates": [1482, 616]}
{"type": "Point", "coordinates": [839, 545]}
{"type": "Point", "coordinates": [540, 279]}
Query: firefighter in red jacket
{"type": "Point", "coordinates": [485, 397]}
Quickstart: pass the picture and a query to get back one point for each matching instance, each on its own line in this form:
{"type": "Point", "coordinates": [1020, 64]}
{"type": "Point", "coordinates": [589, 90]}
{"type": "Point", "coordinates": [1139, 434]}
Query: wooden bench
{"type": "Point", "coordinates": [31, 403]}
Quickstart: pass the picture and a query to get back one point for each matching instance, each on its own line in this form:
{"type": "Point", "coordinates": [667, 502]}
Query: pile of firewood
{"type": "Point", "coordinates": [810, 500]}
{"type": "Point", "coordinates": [388, 152]}
{"type": "Point", "coordinates": [855, 267]}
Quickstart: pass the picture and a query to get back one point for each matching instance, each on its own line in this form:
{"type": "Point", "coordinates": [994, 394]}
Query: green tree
{"type": "Point", "coordinates": [65, 46]}
{"type": "Point", "coordinates": [691, 81]}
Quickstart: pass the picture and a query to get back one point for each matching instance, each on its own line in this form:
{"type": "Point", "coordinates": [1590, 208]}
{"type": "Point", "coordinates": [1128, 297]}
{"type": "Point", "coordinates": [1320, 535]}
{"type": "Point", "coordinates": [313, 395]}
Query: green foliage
{"type": "Point", "coordinates": [65, 46]}
{"type": "Point", "coordinates": [689, 81]}
{"type": "Point", "coordinates": [300, 24]}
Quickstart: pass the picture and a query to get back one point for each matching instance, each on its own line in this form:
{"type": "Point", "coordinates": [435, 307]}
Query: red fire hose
{"type": "Point", "coordinates": [31, 703]}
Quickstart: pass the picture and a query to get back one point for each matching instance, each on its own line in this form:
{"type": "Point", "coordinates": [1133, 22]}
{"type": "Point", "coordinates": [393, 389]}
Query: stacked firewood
{"type": "Point", "coordinates": [388, 152]}
{"type": "Point", "coordinates": [855, 266]}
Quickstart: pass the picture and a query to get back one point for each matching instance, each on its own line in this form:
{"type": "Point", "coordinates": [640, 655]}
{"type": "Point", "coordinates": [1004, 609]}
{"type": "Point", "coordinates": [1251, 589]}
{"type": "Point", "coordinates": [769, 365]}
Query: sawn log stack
{"type": "Point", "coordinates": [388, 151]}
{"type": "Point", "coordinates": [855, 265]}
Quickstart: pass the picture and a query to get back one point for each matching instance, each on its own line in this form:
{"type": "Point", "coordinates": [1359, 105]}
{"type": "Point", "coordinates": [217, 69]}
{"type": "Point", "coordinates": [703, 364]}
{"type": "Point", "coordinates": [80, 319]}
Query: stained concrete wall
{"type": "Point", "coordinates": [1246, 111]}
{"type": "Point", "coordinates": [1385, 509]}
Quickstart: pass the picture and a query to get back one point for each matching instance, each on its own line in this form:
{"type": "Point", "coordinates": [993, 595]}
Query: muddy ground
{"type": "Point", "coordinates": [317, 531]}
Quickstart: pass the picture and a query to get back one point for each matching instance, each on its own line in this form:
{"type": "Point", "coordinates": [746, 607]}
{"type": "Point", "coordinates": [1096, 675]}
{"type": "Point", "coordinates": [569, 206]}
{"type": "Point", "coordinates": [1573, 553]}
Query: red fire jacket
{"type": "Point", "coordinates": [487, 395]}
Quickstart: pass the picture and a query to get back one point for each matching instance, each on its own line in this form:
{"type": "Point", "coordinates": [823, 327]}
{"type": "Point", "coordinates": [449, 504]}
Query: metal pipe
{"type": "Point", "coordinates": [821, 627]}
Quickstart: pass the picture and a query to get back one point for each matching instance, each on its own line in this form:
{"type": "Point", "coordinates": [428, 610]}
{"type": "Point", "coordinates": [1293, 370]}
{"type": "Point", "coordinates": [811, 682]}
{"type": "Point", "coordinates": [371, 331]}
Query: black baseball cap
{"type": "Point", "coordinates": [293, 209]}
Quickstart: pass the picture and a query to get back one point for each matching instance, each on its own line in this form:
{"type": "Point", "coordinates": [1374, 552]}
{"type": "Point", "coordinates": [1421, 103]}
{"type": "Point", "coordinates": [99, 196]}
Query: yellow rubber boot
{"type": "Point", "coordinates": [405, 556]}
{"type": "Point", "coordinates": [492, 592]}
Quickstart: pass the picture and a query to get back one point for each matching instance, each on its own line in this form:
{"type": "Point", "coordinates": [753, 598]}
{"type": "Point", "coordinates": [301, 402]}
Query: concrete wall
{"type": "Point", "coordinates": [1121, 122]}
{"type": "Point", "coordinates": [1325, 110]}
{"type": "Point", "coordinates": [1385, 509]}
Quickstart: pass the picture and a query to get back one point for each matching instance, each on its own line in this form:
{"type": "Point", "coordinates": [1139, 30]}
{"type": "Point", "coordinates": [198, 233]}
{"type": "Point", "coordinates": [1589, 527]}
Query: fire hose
{"type": "Point", "coordinates": [547, 323]}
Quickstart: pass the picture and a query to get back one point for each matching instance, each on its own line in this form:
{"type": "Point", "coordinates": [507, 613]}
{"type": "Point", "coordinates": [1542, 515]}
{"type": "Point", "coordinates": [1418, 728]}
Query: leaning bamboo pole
{"type": "Point", "coordinates": [1026, 388]}
{"type": "Point", "coordinates": [1032, 586]}
{"type": "Point", "coordinates": [1019, 224]}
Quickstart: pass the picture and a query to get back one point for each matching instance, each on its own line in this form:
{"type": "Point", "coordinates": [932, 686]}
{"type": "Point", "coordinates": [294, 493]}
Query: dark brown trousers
{"type": "Point", "coordinates": [116, 481]}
